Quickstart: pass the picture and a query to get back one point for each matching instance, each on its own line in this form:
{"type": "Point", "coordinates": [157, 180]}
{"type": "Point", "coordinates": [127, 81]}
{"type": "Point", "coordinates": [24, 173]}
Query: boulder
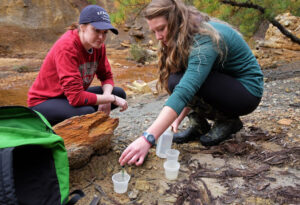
{"type": "Point", "coordinates": [277, 48]}
{"type": "Point", "coordinates": [275, 39]}
{"type": "Point", "coordinates": [86, 135]}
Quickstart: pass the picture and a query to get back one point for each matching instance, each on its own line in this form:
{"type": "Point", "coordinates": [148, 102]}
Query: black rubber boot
{"type": "Point", "coordinates": [221, 131]}
{"type": "Point", "coordinates": [199, 126]}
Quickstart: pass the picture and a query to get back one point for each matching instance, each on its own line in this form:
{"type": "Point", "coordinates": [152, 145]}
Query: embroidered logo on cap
{"type": "Point", "coordinates": [103, 15]}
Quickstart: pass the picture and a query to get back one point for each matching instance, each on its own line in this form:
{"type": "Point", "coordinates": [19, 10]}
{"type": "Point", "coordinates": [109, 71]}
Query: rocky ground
{"type": "Point", "coordinates": [259, 165]}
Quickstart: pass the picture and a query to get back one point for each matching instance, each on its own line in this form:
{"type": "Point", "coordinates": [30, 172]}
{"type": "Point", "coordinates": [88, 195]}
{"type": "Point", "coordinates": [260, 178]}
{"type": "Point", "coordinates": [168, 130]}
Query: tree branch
{"type": "Point", "coordinates": [275, 23]}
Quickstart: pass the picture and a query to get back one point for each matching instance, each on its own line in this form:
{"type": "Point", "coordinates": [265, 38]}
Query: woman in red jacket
{"type": "Point", "coordinates": [61, 89]}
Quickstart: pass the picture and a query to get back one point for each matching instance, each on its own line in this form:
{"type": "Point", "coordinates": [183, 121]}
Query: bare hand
{"type": "Point", "coordinates": [105, 108]}
{"type": "Point", "coordinates": [121, 103]}
{"type": "Point", "coordinates": [175, 125]}
{"type": "Point", "coordinates": [135, 153]}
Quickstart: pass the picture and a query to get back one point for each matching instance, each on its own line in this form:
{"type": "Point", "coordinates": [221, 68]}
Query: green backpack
{"type": "Point", "coordinates": [34, 167]}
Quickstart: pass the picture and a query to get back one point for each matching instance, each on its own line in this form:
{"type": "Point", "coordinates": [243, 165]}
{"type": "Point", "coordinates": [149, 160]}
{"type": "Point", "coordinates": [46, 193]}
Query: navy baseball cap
{"type": "Point", "coordinates": [98, 17]}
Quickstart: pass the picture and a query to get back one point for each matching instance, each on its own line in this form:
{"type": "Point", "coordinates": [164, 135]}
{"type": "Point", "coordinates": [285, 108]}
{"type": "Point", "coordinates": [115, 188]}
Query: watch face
{"type": "Point", "coordinates": [151, 139]}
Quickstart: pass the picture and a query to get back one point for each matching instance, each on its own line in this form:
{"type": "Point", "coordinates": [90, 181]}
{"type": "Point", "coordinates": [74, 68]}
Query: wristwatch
{"type": "Point", "coordinates": [150, 138]}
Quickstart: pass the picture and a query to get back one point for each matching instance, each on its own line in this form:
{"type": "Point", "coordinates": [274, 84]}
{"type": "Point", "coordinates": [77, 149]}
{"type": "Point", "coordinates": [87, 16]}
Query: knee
{"type": "Point", "coordinates": [87, 110]}
{"type": "Point", "coordinates": [120, 92]}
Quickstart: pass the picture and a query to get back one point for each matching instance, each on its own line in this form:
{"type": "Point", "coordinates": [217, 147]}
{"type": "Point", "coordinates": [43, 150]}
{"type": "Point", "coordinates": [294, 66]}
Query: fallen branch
{"type": "Point", "coordinates": [100, 190]}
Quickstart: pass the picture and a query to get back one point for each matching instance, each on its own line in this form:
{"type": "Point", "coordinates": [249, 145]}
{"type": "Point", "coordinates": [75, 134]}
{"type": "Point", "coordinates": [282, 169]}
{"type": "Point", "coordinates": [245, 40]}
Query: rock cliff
{"type": "Point", "coordinates": [36, 14]}
{"type": "Point", "coordinates": [28, 28]}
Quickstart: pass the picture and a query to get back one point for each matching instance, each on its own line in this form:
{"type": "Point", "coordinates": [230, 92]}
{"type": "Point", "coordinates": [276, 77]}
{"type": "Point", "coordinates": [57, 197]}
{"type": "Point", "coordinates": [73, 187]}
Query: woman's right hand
{"type": "Point", "coordinates": [121, 103]}
{"type": "Point", "coordinates": [135, 153]}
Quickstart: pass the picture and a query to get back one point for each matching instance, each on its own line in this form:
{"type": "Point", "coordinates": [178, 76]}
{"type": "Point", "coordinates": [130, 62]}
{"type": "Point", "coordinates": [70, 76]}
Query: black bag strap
{"type": "Point", "coordinates": [78, 194]}
{"type": "Point", "coordinates": [7, 186]}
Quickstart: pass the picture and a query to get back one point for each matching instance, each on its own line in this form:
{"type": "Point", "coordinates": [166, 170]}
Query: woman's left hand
{"type": "Point", "coordinates": [105, 108]}
{"type": "Point", "coordinates": [135, 153]}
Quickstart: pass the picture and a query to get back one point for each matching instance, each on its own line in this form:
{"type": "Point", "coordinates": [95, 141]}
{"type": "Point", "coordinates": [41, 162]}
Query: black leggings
{"type": "Point", "coordinates": [58, 109]}
{"type": "Point", "coordinates": [223, 93]}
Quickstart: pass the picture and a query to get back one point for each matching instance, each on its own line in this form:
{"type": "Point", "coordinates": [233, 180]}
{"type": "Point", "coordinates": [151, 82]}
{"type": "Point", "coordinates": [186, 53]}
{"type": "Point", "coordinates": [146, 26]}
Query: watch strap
{"type": "Point", "coordinates": [145, 135]}
{"type": "Point", "coordinates": [146, 140]}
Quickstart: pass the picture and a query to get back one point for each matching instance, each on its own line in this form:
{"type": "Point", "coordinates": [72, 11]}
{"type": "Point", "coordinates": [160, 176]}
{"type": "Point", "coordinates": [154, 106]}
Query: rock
{"type": "Point", "coordinates": [171, 199]}
{"type": "Point", "coordinates": [125, 43]}
{"type": "Point", "coordinates": [276, 46]}
{"type": "Point", "coordinates": [142, 185]}
{"type": "Point", "coordinates": [275, 39]}
{"type": "Point", "coordinates": [37, 14]}
{"type": "Point", "coordinates": [138, 34]}
{"type": "Point", "coordinates": [137, 27]}
{"type": "Point", "coordinates": [86, 135]}
{"type": "Point", "coordinates": [285, 122]}
{"type": "Point", "coordinates": [139, 86]}
{"type": "Point", "coordinates": [133, 194]}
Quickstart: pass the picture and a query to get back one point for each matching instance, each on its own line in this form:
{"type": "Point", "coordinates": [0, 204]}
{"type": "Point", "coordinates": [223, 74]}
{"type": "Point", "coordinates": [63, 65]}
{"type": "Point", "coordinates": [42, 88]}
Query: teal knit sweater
{"type": "Point", "coordinates": [239, 63]}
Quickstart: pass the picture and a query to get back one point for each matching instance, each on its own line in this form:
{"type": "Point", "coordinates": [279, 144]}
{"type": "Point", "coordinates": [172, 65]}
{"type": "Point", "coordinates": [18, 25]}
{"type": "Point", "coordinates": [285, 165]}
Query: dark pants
{"type": "Point", "coordinates": [58, 109]}
{"type": "Point", "coordinates": [224, 93]}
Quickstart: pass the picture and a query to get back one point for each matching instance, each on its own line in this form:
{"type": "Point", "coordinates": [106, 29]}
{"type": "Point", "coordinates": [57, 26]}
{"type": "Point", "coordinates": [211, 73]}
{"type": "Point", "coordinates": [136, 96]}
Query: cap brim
{"type": "Point", "coordinates": [105, 26]}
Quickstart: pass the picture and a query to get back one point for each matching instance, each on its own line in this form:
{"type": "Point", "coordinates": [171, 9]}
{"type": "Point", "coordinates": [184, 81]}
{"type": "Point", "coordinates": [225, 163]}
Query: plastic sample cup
{"type": "Point", "coordinates": [164, 143]}
{"type": "Point", "coordinates": [120, 181]}
{"type": "Point", "coordinates": [172, 154]}
{"type": "Point", "coordinates": [171, 169]}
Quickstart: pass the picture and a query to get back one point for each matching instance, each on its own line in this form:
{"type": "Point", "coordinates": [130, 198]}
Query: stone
{"type": "Point", "coordinates": [133, 194]}
{"type": "Point", "coordinates": [276, 47]}
{"type": "Point", "coordinates": [171, 199]}
{"type": "Point", "coordinates": [284, 122]}
{"type": "Point", "coordinates": [37, 14]}
{"type": "Point", "coordinates": [139, 86]}
{"type": "Point", "coordinates": [126, 44]}
{"type": "Point", "coordinates": [138, 34]}
{"type": "Point", "coordinates": [86, 135]}
{"type": "Point", "coordinates": [275, 39]}
{"type": "Point", "coordinates": [142, 185]}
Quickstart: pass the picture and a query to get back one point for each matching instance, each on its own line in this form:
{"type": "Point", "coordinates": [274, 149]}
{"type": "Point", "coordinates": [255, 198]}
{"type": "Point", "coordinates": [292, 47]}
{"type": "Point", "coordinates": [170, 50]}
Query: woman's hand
{"type": "Point", "coordinates": [105, 108]}
{"type": "Point", "coordinates": [179, 119]}
{"type": "Point", "coordinates": [175, 125]}
{"type": "Point", "coordinates": [121, 103]}
{"type": "Point", "coordinates": [135, 153]}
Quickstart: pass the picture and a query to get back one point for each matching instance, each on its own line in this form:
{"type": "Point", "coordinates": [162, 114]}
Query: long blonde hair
{"type": "Point", "coordinates": [184, 22]}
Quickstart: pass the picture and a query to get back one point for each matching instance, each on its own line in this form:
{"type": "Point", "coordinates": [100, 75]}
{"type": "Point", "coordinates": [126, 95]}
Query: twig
{"type": "Point", "coordinates": [100, 190]}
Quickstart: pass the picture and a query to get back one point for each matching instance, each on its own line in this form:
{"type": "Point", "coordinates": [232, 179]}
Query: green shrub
{"type": "Point", "coordinates": [140, 54]}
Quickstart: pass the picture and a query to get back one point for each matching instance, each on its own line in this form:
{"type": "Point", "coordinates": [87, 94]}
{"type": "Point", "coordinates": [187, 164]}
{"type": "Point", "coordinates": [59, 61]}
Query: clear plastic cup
{"type": "Point", "coordinates": [164, 143]}
{"type": "Point", "coordinates": [172, 154]}
{"type": "Point", "coordinates": [171, 169]}
{"type": "Point", "coordinates": [120, 181]}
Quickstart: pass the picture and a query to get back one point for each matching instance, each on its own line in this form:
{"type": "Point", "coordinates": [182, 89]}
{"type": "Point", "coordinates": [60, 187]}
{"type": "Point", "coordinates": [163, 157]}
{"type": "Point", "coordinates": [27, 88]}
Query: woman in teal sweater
{"type": "Point", "coordinates": [209, 72]}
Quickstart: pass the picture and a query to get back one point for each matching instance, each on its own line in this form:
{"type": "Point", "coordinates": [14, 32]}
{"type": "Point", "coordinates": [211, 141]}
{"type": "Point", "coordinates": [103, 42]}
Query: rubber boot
{"type": "Point", "coordinates": [198, 127]}
{"type": "Point", "coordinates": [221, 130]}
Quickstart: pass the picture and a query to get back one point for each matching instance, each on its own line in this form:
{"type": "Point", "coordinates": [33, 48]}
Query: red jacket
{"type": "Point", "coordinates": [68, 70]}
